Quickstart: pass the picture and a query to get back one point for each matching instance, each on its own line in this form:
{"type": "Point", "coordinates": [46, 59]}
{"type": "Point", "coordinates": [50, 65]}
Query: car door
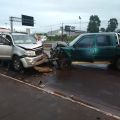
{"type": "Point", "coordinates": [84, 48]}
{"type": "Point", "coordinates": [105, 49]}
{"type": "Point", "coordinates": [5, 48]}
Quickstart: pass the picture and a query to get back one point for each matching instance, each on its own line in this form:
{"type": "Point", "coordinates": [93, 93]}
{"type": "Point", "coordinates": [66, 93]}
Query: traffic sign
{"type": "Point", "coordinates": [27, 20]}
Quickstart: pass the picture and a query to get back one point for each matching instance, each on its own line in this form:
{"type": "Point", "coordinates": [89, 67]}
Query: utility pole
{"type": "Point", "coordinates": [51, 30]}
{"type": "Point", "coordinates": [62, 32]}
{"type": "Point", "coordinates": [13, 19]}
{"type": "Point", "coordinates": [11, 24]}
{"type": "Point", "coordinates": [80, 22]}
{"type": "Point", "coordinates": [26, 20]}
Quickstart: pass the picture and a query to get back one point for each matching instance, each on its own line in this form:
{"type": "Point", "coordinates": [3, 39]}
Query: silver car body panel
{"type": "Point", "coordinates": [8, 51]}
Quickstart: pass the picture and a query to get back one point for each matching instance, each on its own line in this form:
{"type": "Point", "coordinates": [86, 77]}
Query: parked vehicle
{"type": "Point", "coordinates": [89, 47]}
{"type": "Point", "coordinates": [21, 49]}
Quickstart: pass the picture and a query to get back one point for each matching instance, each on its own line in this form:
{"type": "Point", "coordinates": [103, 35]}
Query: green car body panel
{"type": "Point", "coordinates": [96, 51]}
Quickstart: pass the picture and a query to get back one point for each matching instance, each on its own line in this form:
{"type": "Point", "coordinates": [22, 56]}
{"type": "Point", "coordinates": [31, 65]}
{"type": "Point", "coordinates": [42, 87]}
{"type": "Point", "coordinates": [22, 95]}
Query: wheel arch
{"type": "Point", "coordinates": [14, 55]}
{"type": "Point", "coordinates": [17, 56]}
{"type": "Point", "coordinates": [66, 52]}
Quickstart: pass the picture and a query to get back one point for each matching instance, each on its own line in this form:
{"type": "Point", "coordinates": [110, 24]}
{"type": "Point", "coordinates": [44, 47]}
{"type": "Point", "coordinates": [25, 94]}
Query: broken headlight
{"type": "Point", "coordinates": [30, 53]}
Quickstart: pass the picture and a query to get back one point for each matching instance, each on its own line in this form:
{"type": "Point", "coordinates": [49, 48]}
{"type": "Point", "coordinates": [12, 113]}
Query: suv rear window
{"type": "Point", "coordinates": [103, 40]}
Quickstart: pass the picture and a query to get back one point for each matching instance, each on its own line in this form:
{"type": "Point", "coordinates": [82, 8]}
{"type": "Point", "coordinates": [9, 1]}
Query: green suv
{"type": "Point", "coordinates": [89, 47]}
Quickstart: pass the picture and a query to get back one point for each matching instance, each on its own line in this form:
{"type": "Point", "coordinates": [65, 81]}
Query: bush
{"type": "Point", "coordinates": [60, 38]}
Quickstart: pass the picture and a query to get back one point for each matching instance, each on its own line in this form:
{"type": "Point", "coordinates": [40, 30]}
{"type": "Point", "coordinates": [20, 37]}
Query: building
{"type": "Point", "coordinates": [59, 32]}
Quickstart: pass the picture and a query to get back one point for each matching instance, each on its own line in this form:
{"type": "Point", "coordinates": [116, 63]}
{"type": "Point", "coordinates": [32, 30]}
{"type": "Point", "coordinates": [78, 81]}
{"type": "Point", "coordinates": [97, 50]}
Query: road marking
{"type": "Point", "coordinates": [64, 97]}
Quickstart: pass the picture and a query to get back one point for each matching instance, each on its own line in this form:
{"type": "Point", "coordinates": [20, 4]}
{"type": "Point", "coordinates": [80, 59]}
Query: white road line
{"type": "Point", "coordinates": [63, 97]}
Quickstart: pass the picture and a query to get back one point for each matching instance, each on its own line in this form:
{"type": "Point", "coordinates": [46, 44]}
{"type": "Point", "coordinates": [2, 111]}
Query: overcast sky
{"type": "Point", "coordinates": [50, 14]}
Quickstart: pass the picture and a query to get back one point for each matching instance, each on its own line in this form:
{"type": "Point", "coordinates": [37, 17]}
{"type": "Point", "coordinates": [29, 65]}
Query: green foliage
{"type": "Point", "coordinates": [54, 38]}
{"type": "Point", "coordinates": [70, 38]}
{"type": "Point", "coordinates": [94, 24]}
{"type": "Point", "coordinates": [59, 38]}
{"type": "Point", "coordinates": [112, 25]}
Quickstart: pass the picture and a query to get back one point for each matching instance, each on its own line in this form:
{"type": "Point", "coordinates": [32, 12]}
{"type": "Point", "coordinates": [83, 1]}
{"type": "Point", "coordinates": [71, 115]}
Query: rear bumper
{"type": "Point", "coordinates": [33, 61]}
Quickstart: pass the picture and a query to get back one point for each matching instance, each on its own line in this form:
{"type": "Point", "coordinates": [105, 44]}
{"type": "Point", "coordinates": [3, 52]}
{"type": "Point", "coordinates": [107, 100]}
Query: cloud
{"type": "Point", "coordinates": [48, 12]}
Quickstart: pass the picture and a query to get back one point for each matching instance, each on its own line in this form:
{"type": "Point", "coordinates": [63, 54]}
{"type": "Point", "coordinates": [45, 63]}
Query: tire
{"type": "Point", "coordinates": [17, 65]}
{"type": "Point", "coordinates": [0, 62]}
{"type": "Point", "coordinates": [63, 61]}
{"type": "Point", "coordinates": [112, 66]}
{"type": "Point", "coordinates": [118, 63]}
{"type": "Point", "coordinates": [63, 64]}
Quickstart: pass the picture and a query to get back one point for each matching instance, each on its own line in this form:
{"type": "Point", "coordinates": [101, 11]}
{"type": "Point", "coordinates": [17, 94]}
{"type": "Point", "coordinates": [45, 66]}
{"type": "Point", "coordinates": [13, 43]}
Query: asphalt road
{"type": "Point", "coordinates": [22, 102]}
{"type": "Point", "coordinates": [96, 85]}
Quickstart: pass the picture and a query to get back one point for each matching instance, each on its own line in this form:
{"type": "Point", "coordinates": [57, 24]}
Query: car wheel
{"type": "Point", "coordinates": [64, 64]}
{"type": "Point", "coordinates": [17, 65]}
{"type": "Point", "coordinates": [118, 64]}
{"type": "Point", "coordinates": [63, 61]}
{"type": "Point", "coordinates": [0, 62]}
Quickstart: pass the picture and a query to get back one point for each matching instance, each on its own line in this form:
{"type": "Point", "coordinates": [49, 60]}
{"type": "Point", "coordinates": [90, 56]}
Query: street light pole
{"type": "Point", "coordinates": [80, 22]}
{"type": "Point", "coordinates": [11, 24]}
{"type": "Point", "coordinates": [62, 32]}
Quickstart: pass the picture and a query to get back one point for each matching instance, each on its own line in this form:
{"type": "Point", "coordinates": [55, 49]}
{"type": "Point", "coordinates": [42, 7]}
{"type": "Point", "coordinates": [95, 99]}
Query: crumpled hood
{"type": "Point", "coordinates": [29, 46]}
{"type": "Point", "coordinates": [60, 43]}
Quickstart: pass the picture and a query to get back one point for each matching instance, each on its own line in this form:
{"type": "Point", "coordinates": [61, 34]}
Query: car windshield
{"type": "Point", "coordinates": [24, 39]}
{"type": "Point", "coordinates": [75, 40]}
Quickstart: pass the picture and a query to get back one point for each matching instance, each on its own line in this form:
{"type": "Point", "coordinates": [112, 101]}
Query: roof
{"type": "Point", "coordinates": [8, 33]}
{"type": "Point", "coordinates": [100, 33]}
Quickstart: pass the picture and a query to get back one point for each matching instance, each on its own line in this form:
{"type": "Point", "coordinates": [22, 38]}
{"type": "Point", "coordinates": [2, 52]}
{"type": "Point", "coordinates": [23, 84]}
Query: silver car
{"type": "Point", "coordinates": [22, 50]}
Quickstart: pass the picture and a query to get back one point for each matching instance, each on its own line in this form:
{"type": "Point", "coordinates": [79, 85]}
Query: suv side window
{"type": "Point", "coordinates": [103, 40]}
{"type": "Point", "coordinates": [85, 42]}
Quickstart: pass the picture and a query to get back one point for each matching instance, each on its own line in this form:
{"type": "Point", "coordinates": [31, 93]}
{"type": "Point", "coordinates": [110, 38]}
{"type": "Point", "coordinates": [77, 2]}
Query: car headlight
{"type": "Point", "coordinates": [30, 53]}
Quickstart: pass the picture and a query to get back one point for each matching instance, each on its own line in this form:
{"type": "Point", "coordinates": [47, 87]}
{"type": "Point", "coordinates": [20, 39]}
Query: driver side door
{"type": "Point", "coordinates": [84, 49]}
{"type": "Point", "coordinates": [5, 48]}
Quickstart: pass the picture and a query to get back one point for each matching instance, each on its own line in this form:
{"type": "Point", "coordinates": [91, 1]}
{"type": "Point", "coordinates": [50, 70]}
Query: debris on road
{"type": "Point", "coordinates": [43, 69]}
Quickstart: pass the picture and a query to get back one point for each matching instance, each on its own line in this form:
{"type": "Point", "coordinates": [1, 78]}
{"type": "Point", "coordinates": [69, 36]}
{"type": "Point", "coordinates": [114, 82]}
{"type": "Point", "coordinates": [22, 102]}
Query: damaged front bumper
{"type": "Point", "coordinates": [33, 61]}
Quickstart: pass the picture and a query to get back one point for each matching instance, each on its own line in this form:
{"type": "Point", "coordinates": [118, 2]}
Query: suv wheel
{"type": "Point", "coordinates": [17, 65]}
{"type": "Point", "coordinates": [63, 61]}
{"type": "Point", "coordinates": [118, 64]}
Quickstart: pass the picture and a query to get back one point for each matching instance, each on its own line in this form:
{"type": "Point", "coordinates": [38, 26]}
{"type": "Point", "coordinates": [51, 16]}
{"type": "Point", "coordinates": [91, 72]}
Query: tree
{"type": "Point", "coordinates": [102, 29]}
{"type": "Point", "coordinates": [112, 25]}
{"type": "Point", "coordinates": [94, 24]}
